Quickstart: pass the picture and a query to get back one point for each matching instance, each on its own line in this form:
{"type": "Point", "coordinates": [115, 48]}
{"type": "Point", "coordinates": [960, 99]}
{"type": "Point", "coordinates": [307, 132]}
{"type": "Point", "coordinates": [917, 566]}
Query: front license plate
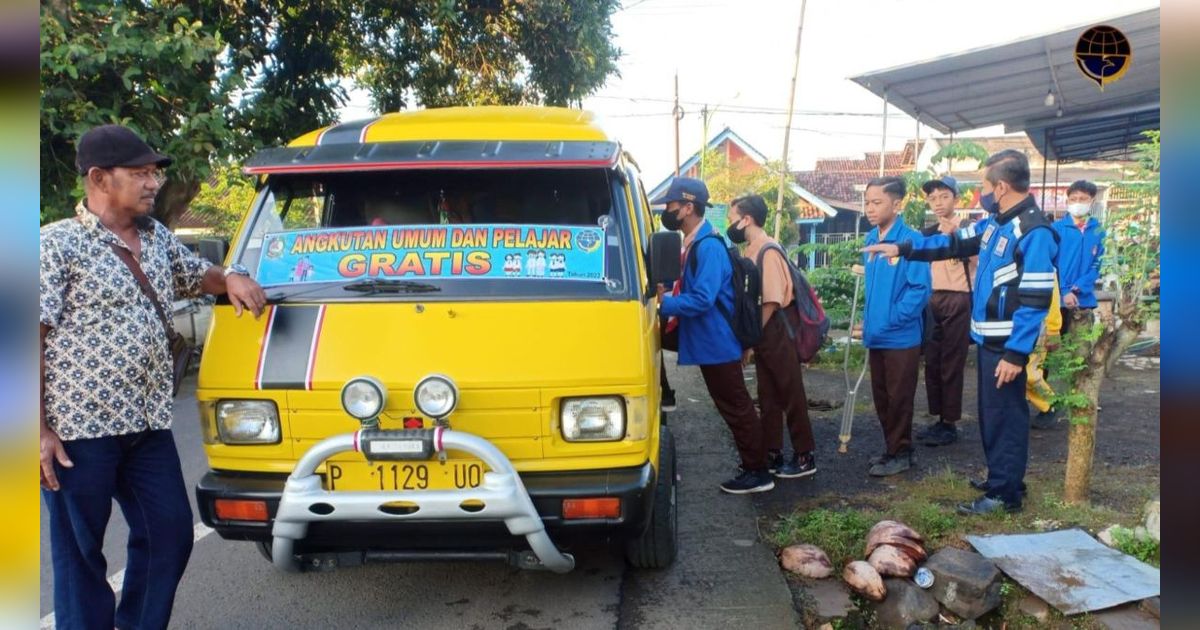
{"type": "Point", "coordinates": [391, 476]}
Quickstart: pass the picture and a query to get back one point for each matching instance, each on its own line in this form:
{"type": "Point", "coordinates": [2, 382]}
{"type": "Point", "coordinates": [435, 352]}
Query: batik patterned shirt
{"type": "Point", "coordinates": [107, 361]}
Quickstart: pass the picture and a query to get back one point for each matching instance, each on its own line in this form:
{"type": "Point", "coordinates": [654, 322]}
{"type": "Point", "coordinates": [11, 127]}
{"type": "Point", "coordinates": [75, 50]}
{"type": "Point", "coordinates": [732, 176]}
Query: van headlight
{"type": "Point", "coordinates": [248, 422]}
{"type": "Point", "coordinates": [436, 396]}
{"type": "Point", "coordinates": [363, 397]}
{"type": "Point", "coordinates": [600, 419]}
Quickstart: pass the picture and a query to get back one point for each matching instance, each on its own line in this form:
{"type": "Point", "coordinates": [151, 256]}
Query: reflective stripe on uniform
{"type": "Point", "coordinates": [992, 329]}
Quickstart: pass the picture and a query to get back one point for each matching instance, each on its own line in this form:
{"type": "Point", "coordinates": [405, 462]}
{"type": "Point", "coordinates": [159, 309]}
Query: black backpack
{"type": "Point", "coordinates": [746, 318]}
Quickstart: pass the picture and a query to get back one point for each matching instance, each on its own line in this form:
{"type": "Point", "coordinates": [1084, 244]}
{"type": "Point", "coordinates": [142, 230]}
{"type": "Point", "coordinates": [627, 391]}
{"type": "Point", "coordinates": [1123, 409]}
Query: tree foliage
{"type": "Point", "coordinates": [210, 81]}
{"type": "Point", "coordinates": [727, 181]}
{"type": "Point", "coordinates": [1100, 336]}
{"type": "Point", "coordinates": [150, 68]}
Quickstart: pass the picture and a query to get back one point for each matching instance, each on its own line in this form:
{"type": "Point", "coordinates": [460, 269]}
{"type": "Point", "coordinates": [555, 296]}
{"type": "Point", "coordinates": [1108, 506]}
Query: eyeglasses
{"type": "Point", "coordinates": [145, 177]}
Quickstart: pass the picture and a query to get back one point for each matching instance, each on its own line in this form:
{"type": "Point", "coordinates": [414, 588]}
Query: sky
{"type": "Point", "coordinates": [736, 55]}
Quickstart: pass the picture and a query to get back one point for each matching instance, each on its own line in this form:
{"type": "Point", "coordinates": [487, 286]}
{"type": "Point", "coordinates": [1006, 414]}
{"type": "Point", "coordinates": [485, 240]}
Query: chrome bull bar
{"type": "Point", "coordinates": [502, 494]}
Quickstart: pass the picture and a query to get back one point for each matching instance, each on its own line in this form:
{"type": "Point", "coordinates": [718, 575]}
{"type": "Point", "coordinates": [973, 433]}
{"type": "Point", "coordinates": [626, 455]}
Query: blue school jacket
{"type": "Point", "coordinates": [705, 336]}
{"type": "Point", "coordinates": [1079, 254]}
{"type": "Point", "coordinates": [897, 291]}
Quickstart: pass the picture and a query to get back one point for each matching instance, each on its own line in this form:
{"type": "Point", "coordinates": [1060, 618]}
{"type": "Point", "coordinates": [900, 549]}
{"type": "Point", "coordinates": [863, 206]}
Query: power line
{"type": "Point", "coordinates": [747, 109]}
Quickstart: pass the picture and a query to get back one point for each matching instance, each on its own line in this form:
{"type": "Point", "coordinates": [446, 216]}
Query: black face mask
{"type": "Point", "coordinates": [736, 234]}
{"type": "Point", "coordinates": [671, 220]}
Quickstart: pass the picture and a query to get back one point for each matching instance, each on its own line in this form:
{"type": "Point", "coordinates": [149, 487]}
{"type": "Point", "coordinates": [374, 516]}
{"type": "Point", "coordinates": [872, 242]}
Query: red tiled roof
{"type": "Point", "coordinates": [834, 179]}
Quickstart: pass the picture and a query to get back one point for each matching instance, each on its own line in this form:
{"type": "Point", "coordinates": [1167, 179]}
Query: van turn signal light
{"type": "Point", "coordinates": [597, 507]}
{"type": "Point", "coordinates": [240, 510]}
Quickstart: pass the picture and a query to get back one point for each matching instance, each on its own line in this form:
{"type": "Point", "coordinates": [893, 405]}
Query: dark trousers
{"type": "Point", "coordinates": [781, 389]}
{"type": "Point", "coordinates": [1004, 427]}
{"type": "Point", "coordinates": [142, 472]}
{"type": "Point", "coordinates": [727, 386]}
{"type": "Point", "coordinates": [946, 353]}
{"type": "Point", "coordinates": [669, 341]}
{"type": "Point", "coordinates": [894, 385]}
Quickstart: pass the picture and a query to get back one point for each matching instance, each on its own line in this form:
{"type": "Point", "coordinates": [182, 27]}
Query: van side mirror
{"type": "Point", "coordinates": [213, 249]}
{"type": "Point", "coordinates": [665, 267]}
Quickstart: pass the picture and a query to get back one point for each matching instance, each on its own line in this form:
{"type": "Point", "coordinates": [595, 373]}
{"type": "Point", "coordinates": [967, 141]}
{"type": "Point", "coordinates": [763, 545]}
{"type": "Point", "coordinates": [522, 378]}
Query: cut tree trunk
{"type": "Point", "coordinates": [1081, 440]}
{"type": "Point", "coordinates": [173, 199]}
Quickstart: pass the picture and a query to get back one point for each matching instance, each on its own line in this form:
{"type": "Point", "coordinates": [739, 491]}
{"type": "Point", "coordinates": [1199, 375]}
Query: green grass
{"type": "Point", "coordinates": [1145, 549]}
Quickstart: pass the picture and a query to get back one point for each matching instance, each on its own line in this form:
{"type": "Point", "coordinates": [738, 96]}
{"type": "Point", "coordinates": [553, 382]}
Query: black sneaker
{"type": "Point", "coordinates": [796, 467]}
{"type": "Point", "coordinates": [892, 465]}
{"type": "Point", "coordinates": [938, 434]}
{"type": "Point", "coordinates": [668, 400]}
{"type": "Point", "coordinates": [1044, 420]}
{"type": "Point", "coordinates": [749, 481]}
{"type": "Point", "coordinates": [774, 461]}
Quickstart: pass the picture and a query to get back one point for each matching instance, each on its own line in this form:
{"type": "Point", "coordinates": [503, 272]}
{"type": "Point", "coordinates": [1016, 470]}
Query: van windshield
{"type": "Point", "coordinates": [429, 235]}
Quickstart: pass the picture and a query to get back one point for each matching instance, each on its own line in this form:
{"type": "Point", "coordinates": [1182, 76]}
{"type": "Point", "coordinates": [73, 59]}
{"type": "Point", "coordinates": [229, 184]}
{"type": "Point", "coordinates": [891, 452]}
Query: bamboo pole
{"type": "Point", "coordinates": [787, 130]}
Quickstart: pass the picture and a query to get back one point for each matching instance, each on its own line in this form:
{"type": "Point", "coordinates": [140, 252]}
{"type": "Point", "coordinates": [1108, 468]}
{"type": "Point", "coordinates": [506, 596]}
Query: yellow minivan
{"type": "Point", "coordinates": [461, 355]}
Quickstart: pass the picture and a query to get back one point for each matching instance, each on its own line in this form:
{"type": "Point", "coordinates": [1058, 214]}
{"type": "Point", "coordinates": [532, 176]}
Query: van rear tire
{"type": "Point", "coordinates": [657, 546]}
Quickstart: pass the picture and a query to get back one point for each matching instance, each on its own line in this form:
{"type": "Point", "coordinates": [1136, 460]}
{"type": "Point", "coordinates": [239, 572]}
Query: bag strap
{"type": "Point", "coordinates": [143, 282]}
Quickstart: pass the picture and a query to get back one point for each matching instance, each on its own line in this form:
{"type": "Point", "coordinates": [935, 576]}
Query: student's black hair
{"type": "Point", "coordinates": [1083, 186]}
{"type": "Point", "coordinates": [753, 206]}
{"type": "Point", "coordinates": [1011, 166]}
{"type": "Point", "coordinates": [892, 186]}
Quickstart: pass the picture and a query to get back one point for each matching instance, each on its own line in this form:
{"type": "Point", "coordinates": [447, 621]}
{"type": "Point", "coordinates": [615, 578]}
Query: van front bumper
{"type": "Point", "coordinates": [440, 525]}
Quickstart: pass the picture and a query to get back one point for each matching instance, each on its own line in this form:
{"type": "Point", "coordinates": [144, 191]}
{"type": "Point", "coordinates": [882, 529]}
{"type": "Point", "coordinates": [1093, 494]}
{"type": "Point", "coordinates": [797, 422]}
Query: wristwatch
{"type": "Point", "coordinates": [237, 268]}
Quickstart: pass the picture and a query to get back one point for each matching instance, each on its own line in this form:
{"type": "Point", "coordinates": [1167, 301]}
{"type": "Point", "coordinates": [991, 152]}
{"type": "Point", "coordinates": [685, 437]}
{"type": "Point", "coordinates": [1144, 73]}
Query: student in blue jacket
{"type": "Point", "coordinates": [893, 323]}
{"type": "Point", "coordinates": [1080, 249]}
{"type": "Point", "coordinates": [706, 337]}
{"type": "Point", "coordinates": [1014, 286]}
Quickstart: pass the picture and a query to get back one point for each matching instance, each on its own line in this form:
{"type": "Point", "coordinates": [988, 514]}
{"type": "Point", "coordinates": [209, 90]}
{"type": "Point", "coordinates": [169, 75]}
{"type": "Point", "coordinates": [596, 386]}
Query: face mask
{"type": "Point", "coordinates": [736, 234]}
{"type": "Point", "coordinates": [671, 221]}
{"type": "Point", "coordinates": [990, 203]}
{"type": "Point", "coordinates": [1078, 210]}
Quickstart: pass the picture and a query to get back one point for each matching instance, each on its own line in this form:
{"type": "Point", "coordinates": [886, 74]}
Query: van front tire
{"type": "Point", "coordinates": [657, 546]}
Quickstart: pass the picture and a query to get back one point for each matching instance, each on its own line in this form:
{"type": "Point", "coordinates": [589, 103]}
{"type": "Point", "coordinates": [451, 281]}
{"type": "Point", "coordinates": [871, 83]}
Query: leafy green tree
{"type": "Point", "coordinates": [1100, 336]}
{"type": "Point", "coordinates": [149, 67]}
{"type": "Point", "coordinates": [727, 181]}
{"type": "Point", "coordinates": [211, 80]}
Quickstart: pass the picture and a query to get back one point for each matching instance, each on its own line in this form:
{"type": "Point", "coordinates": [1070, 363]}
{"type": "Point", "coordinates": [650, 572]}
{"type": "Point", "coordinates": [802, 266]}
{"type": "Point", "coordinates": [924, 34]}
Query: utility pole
{"type": "Point", "coordinates": [784, 175]}
{"type": "Point", "coordinates": [883, 140]}
{"type": "Point", "coordinates": [703, 140]}
{"type": "Point", "coordinates": [677, 114]}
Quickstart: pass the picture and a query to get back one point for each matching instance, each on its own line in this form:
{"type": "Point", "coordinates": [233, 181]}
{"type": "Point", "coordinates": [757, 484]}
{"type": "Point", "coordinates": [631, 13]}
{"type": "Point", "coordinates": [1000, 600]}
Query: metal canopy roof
{"type": "Point", "coordinates": [1007, 85]}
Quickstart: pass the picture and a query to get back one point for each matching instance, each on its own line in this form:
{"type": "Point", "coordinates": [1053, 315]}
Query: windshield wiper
{"type": "Point", "coordinates": [378, 285]}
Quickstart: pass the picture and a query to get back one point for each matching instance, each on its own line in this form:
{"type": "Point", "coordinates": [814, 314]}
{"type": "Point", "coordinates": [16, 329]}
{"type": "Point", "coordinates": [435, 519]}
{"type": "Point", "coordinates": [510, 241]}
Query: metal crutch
{"type": "Point", "coordinates": [851, 390]}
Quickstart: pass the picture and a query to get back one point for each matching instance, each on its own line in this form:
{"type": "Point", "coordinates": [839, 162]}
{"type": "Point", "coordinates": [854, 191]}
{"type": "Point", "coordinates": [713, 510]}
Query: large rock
{"type": "Point", "coordinates": [831, 597]}
{"type": "Point", "coordinates": [905, 604]}
{"type": "Point", "coordinates": [1035, 607]}
{"type": "Point", "coordinates": [965, 582]}
{"type": "Point", "coordinates": [1153, 520]}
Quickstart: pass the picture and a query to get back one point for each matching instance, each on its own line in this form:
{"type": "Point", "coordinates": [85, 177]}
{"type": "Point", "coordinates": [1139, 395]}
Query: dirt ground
{"type": "Point", "coordinates": [1127, 441]}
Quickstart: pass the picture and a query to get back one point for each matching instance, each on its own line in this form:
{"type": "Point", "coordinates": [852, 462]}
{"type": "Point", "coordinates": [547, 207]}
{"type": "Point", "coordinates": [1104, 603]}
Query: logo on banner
{"type": "Point", "coordinates": [1103, 55]}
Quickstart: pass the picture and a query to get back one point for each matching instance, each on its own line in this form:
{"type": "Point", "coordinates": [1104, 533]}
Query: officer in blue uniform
{"type": "Point", "coordinates": [1014, 285]}
{"type": "Point", "coordinates": [1080, 250]}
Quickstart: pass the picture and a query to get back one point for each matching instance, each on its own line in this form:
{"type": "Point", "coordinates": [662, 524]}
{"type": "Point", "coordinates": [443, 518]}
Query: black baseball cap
{"type": "Point", "coordinates": [107, 146]}
{"type": "Point", "coordinates": [943, 182]}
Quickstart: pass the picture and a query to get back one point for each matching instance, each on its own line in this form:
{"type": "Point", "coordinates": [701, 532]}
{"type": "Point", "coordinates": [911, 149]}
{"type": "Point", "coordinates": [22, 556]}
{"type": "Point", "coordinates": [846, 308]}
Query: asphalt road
{"type": "Point", "coordinates": [724, 576]}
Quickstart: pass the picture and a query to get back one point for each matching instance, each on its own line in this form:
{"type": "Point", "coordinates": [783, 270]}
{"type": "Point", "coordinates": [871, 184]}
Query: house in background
{"type": "Point", "coordinates": [815, 215]}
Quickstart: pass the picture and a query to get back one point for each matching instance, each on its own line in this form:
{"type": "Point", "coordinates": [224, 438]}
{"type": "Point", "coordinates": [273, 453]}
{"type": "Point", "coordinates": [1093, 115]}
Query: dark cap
{"type": "Point", "coordinates": [943, 182]}
{"type": "Point", "coordinates": [107, 146]}
{"type": "Point", "coordinates": [684, 189]}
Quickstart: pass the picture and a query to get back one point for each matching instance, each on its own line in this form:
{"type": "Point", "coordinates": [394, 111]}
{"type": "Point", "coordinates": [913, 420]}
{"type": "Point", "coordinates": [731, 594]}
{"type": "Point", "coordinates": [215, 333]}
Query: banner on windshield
{"type": "Point", "coordinates": [432, 252]}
